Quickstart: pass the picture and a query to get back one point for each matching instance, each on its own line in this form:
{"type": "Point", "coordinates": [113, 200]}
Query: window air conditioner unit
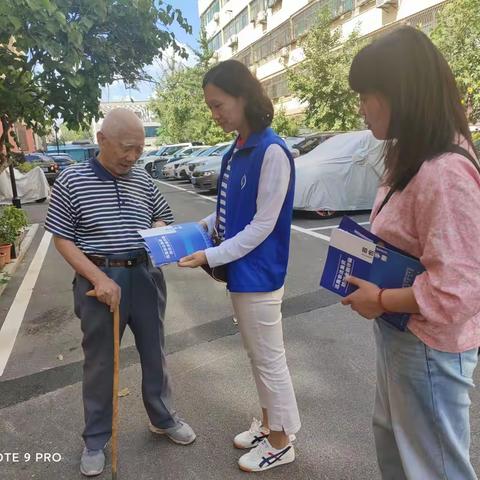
{"type": "Point", "coordinates": [216, 17]}
{"type": "Point", "coordinates": [284, 53]}
{"type": "Point", "coordinates": [233, 41]}
{"type": "Point", "coordinates": [262, 17]}
{"type": "Point", "coordinates": [386, 3]}
{"type": "Point", "coordinates": [271, 3]}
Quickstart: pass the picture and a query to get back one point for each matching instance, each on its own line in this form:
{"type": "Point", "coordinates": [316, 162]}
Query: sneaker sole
{"type": "Point", "coordinates": [254, 470]}
{"type": "Point", "coordinates": [91, 474]}
{"type": "Point", "coordinates": [165, 434]}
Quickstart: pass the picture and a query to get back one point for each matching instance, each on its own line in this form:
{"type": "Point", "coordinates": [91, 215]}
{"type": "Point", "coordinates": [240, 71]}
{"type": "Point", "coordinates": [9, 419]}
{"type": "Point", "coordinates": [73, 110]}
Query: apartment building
{"type": "Point", "coordinates": [265, 34]}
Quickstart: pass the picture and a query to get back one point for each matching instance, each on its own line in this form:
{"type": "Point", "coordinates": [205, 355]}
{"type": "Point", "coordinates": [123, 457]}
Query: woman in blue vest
{"type": "Point", "coordinates": [253, 218]}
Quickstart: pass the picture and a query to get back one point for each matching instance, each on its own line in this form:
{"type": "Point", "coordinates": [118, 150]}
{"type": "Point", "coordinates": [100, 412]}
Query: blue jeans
{"type": "Point", "coordinates": [421, 418]}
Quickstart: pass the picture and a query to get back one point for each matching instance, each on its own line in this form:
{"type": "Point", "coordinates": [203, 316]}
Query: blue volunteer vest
{"type": "Point", "coordinates": [265, 267]}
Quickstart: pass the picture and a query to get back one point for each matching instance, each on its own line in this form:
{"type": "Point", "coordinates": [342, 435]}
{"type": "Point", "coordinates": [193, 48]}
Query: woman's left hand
{"type": "Point", "coordinates": [194, 260]}
{"type": "Point", "coordinates": [364, 300]}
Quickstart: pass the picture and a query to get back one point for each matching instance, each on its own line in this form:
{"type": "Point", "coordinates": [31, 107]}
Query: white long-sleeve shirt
{"type": "Point", "coordinates": [272, 190]}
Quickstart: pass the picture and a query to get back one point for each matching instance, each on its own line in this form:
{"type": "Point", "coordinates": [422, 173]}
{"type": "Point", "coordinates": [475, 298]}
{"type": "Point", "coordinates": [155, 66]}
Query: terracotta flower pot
{"type": "Point", "coordinates": [6, 248]}
{"type": "Point", "coordinates": [2, 260]}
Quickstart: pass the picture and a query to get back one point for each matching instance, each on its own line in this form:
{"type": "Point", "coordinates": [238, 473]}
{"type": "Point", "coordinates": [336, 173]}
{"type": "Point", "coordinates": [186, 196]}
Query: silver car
{"type": "Point", "coordinates": [205, 177]}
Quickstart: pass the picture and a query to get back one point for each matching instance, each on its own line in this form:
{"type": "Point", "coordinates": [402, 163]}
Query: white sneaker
{"type": "Point", "coordinates": [264, 457]}
{"type": "Point", "coordinates": [252, 437]}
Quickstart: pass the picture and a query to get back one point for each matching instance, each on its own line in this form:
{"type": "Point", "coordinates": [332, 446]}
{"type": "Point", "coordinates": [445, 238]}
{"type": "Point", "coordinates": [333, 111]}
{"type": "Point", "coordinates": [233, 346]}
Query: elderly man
{"type": "Point", "coordinates": [95, 212]}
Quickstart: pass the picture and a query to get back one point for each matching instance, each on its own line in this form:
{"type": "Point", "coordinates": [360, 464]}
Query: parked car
{"type": "Point", "coordinates": [31, 186]}
{"type": "Point", "coordinates": [310, 141]}
{"type": "Point", "coordinates": [341, 174]}
{"type": "Point", "coordinates": [63, 160]}
{"type": "Point", "coordinates": [218, 151]}
{"type": "Point", "coordinates": [205, 177]}
{"type": "Point", "coordinates": [183, 170]}
{"type": "Point", "coordinates": [477, 146]}
{"type": "Point", "coordinates": [154, 160]}
{"type": "Point", "coordinates": [168, 171]}
{"type": "Point", "coordinates": [47, 164]}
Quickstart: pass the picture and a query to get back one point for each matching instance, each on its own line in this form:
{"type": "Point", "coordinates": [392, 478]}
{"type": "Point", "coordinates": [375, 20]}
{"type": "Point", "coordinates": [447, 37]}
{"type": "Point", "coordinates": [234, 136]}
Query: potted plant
{"type": "Point", "coordinates": [12, 223]}
{"type": "Point", "coordinates": [3, 260]}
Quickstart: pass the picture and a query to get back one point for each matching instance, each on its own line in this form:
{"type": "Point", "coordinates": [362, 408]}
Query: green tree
{"type": "Point", "coordinates": [285, 125]}
{"type": "Point", "coordinates": [56, 54]}
{"type": "Point", "coordinates": [67, 135]}
{"type": "Point", "coordinates": [321, 80]}
{"type": "Point", "coordinates": [457, 35]}
{"type": "Point", "coordinates": [180, 106]}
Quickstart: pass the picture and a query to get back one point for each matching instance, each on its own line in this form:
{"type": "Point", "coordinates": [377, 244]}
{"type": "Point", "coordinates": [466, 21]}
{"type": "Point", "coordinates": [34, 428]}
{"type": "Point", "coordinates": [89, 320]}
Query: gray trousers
{"type": "Point", "coordinates": [142, 307]}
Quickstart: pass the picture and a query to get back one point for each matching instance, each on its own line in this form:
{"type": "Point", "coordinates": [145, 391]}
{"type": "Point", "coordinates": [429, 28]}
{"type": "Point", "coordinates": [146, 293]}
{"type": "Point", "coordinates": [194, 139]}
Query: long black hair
{"type": "Point", "coordinates": [426, 109]}
{"type": "Point", "coordinates": [234, 78]}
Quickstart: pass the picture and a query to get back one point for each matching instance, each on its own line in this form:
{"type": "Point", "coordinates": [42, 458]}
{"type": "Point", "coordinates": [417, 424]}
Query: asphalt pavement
{"type": "Point", "coordinates": [330, 351]}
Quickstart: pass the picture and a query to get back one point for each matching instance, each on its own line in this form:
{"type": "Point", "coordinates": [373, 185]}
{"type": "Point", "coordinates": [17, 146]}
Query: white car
{"type": "Point", "coordinates": [187, 165]}
{"type": "Point", "coordinates": [179, 173]}
{"type": "Point", "coordinates": [341, 174]}
{"type": "Point", "coordinates": [168, 170]}
{"type": "Point", "coordinates": [220, 150]}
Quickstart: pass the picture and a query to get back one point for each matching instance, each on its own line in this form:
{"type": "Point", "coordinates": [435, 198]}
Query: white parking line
{"type": "Point", "coordinates": [328, 227]}
{"type": "Point", "coordinates": [14, 318]}
{"type": "Point", "coordinates": [306, 231]}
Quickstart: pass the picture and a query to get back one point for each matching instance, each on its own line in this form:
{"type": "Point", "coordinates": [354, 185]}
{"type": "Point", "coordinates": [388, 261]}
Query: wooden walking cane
{"type": "Point", "coordinates": [116, 364]}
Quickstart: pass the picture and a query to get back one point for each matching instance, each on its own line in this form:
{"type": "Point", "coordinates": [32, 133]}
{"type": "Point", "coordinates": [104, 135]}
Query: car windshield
{"type": "Point", "coordinates": [172, 150]}
{"type": "Point", "coordinates": [200, 152]}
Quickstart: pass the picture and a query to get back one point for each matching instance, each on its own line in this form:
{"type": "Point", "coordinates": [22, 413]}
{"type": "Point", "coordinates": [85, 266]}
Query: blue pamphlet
{"type": "Point", "coordinates": [355, 251]}
{"type": "Point", "coordinates": [169, 244]}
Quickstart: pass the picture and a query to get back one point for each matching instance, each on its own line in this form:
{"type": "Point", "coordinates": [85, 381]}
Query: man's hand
{"type": "Point", "coordinates": [194, 260]}
{"type": "Point", "coordinates": [159, 223]}
{"type": "Point", "coordinates": [364, 300]}
{"type": "Point", "coordinates": [107, 291]}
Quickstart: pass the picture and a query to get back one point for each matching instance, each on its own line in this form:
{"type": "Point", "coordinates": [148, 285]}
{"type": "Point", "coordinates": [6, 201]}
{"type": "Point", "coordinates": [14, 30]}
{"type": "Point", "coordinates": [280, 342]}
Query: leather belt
{"type": "Point", "coordinates": [101, 261]}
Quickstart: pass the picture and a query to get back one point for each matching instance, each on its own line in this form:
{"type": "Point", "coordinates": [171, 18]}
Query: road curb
{"type": "Point", "coordinates": [11, 267]}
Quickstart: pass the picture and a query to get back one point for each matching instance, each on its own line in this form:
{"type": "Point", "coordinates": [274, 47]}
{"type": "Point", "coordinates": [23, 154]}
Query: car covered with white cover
{"type": "Point", "coordinates": [341, 174]}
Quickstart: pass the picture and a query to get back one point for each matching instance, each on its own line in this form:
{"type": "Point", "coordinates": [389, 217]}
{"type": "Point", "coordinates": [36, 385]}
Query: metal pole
{"type": "Point", "coordinates": [16, 202]}
{"type": "Point", "coordinates": [56, 137]}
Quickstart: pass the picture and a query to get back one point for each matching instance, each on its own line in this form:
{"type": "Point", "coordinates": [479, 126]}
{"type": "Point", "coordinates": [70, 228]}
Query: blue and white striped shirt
{"type": "Point", "coordinates": [102, 213]}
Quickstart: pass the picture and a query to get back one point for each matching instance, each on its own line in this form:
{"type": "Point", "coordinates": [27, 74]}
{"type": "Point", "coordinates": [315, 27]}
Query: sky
{"type": "Point", "coordinates": [117, 91]}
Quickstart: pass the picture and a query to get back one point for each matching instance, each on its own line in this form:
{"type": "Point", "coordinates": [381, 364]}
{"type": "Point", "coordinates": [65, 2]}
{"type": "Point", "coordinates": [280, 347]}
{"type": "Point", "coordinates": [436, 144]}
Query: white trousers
{"type": "Point", "coordinates": [259, 319]}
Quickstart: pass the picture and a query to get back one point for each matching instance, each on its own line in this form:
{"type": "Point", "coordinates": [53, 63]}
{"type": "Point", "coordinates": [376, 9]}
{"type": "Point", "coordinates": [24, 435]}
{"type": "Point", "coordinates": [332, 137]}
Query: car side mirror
{"type": "Point", "coordinates": [295, 152]}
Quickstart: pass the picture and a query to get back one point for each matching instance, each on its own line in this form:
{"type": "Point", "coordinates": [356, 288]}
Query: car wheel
{"type": "Point", "coordinates": [326, 213]}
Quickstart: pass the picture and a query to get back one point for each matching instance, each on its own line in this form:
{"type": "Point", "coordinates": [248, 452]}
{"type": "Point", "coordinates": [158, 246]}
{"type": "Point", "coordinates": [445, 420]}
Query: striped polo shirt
{"type": "Point", "coordinates": [102, 213]}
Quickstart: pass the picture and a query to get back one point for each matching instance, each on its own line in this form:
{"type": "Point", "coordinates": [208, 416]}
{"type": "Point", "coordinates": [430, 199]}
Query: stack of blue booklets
{"type": "Point", "coordinates": [355, 251]}
{"type": "Point", "coordinates": [169, 244]}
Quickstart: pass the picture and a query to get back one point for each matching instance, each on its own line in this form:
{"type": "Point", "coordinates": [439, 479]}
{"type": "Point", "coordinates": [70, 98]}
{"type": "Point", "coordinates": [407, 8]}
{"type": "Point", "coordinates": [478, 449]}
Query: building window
{"type": "Point", "coordinates": [236, 25]}
{"type": "Point", "coordinates": [304, 20]}
{"type": "Point", "coordinates": [277, 86]}
{"type": "Point", "coordinates": [272, 42]}
{"type": "Point", "coordinates": [215, 43]}
{"type": "Point", "coordinates": [339, 7]}
{"type": "Point", "coordinates": [257, 6]}
{"type": "Point", "coordinates": [150, 131]}
{"type": "Point", "coordinates": [207, 16]}
{"type": "Point", "coordinates": [245, 57]}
